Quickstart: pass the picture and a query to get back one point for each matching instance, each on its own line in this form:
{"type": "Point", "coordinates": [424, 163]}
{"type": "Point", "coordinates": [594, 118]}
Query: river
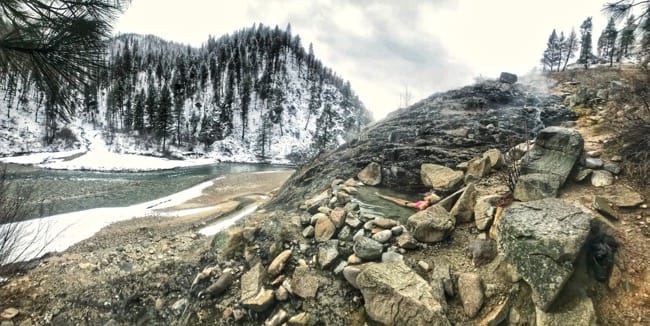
{"type": "Point", "coordinates": [63, 191]}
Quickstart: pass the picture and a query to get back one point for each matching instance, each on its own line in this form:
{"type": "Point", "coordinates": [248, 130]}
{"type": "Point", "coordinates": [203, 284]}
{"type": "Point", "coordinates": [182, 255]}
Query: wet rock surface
{"type": "Point", "coordinates": [428, 132]}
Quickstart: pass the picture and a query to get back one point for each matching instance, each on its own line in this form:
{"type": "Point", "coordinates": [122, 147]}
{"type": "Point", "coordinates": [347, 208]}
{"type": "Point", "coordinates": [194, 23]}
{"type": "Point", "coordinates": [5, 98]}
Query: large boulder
{"type": "Point", "coordinates": [508, 78]}
{"type": "Point", "coordinates": [371, 174]}
{"type": "Point", "coordinates": [541, 239]}
{"type": "Point", "coordinates": [548, 163]}
{"type": "Point", "coordinates": [433, 224]}
{"type": "Point", "coordinates": [395, 295]}
{"type": "Point", "coordinates": [463, 210]}
{"type": "Point", "coordinates": [440, 177]}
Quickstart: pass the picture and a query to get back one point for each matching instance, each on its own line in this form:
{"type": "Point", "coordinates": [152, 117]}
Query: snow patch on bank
{"type": "Point", "coordinates": [228, 221]}
{"type": "Point", "coordinates": [58, 232]}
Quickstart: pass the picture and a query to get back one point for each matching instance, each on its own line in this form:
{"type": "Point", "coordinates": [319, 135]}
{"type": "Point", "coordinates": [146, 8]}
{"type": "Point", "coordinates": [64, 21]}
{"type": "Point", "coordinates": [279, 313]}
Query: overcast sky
{"type": "Point", "coordinates": [384, 46]}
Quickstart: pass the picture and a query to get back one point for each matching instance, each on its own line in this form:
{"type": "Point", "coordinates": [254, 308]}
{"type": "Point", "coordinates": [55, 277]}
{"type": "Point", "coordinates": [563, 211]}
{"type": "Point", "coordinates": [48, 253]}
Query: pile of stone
{"type": "Point", "coordinates": [538, 240]}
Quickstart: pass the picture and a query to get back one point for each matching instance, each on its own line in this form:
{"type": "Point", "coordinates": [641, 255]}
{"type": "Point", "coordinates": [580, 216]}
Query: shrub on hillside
{"type": "Point", "coordinates": [14, 207]}
{"type": "Point", "coordinates": [634, 131]}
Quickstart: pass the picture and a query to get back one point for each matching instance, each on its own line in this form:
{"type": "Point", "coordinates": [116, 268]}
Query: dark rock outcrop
{"type": "Point", "coordinates": [444, 129]}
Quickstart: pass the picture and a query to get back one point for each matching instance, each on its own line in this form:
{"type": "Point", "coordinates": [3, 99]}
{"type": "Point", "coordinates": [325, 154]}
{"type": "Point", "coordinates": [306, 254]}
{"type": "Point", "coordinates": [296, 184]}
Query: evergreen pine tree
{"type": "Point", "coordinates": [585, 43]}
{"type": "Point", "coordinates": [138, 112]}
{"type": "Point", "coordinates": [626, 41]}
{"type": "Point", "coordinates": [151, 106]}
{"type": "Point", "coordinates": [163, 116]}
{"type": "Point", "coordinates": [570, 47]}
{"type": "Point", "coordinates": [60, 44]}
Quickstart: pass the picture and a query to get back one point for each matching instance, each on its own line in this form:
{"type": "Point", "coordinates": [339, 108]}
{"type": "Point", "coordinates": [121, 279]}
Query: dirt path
{"type": "Point", "coordinates": [130, 265]}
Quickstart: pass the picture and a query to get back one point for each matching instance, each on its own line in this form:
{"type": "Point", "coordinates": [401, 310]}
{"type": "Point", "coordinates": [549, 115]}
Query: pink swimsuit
{"type": "Point", "coordinates": [419, 203]}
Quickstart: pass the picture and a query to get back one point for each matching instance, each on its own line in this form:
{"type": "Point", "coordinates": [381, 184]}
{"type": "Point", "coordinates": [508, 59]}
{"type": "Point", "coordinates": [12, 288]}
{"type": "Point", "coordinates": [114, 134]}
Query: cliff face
{"type": "Point", "coordinates": [446, 128]}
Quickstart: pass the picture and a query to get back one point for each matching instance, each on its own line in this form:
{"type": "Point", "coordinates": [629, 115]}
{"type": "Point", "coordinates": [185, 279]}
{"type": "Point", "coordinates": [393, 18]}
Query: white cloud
{"type": "Point", "coordinates": [382, 46]}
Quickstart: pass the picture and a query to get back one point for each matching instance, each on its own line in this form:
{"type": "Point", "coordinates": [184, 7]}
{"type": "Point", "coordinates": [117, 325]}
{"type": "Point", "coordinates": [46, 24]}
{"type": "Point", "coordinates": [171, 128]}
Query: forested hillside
{"type": "Point", "coordinates": [253, 95]}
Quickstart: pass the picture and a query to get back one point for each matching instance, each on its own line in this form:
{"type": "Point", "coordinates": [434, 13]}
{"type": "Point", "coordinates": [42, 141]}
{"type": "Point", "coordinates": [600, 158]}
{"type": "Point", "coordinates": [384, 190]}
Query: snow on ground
{"type": "Point", "coordinates": [228, 221]}
{"type": "Point", "coordinates": [98, 157]}
{"type": "Point", "coordinates": [58, 232]}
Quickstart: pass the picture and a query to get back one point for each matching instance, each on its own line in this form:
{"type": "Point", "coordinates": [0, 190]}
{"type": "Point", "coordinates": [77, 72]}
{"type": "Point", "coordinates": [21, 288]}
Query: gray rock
{"type": "Point", "coordinates": [351, 272]}
{"type": "Point", "coordinates": [391, 256]}
{"type": "Point", "coordinates": [262, 301]}
{"type": "Point", "coordinates": [220, 285]}
{"type": "Point", "coordinates": [382, 236]}
{"type": "Point", "coordinates": [463, 210]}
{"type": "Point", "coordinates": [368, 249]}
{"type": "Point", "coordinates": [477, 168]}
{"type": "Point", "coordinates": [385, 223]}
{"type": "Point", "coordinates": [345, 234]}
{"type": "Point", "coordinates": [580, 312]}
{"type": "Point", "coordinates": [542, 239]}
{"type": "Point", "coordinates": [484, 211]}
{"type": "Point", "coordinates": [617, 158]}
{"type": "Point", "coordinates": [551, 160]}
{"type": "Point", "coordinates": [251, 281]}
{"type": "Point", "coordinates": [277, 319]}
{"type": "Point", "coordinates": [308, 232]}
{"type": "Point", "coordinates": [371, 174]}
{"type": "Point", "coordinates": [352, 222]}
{"type": "Point", "coordinates": [470, 289]}
{"type": "Point", "coordinates": [623, 196]}
{"type": "Point", "coordinates": [396, 295]}
{"type": "Point", "coordinates": [602, 206]}
{"type": "Point", "coordinates": [339, 268]}
{"type": "Point", "coordinates": [536, 186]}
{"type": "Point", "coordinates": [593, 153]}
{"type": "Point", "coordinates": [327, 253]}
{"type": "Point", "coordinates": [317, 201]}
{"type": "Point", "coordinates": [397, 230]}
{"type": "Point", "coordinates": [314, 219]}
{"type": "Point", "coordinates": [302, 319]}
{"type": "Point", "coordinates": [482, 251]}
{"type": "Point", "coordinates": [358, 235]}
{"type": "Point", "coordinates": [406, 241]}
{"type": "Point", "coordinates": [613, 168]}
{"type": "Point", "coordinates": [496, 158]}
{"type": "Point", "coordinates": [441, 277]}
{"type": "Point", "coordinates": [179, 304]}
{"type": "Point", "coordinates": [593, 163]}
{"type": "Point", "coordinates": [508, 78]}
{"type": "Point", "coordinates": [440, 177]}
{"type": "Point", "coordinates": [305, 220]}
{"type": "Point", "coordinates": [433, 224]}
{"type": "Point", "coordinates": [304, 282]}
{"type": "Point", "coordinates": [601, 178]}
{"type": "Point", "coordinates": [583, 174]}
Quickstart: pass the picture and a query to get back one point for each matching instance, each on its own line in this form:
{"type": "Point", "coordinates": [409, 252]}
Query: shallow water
{"type": "Point", "coordinates": [58, 191]}
{"type": "Point", "coordinates": [371, 202]}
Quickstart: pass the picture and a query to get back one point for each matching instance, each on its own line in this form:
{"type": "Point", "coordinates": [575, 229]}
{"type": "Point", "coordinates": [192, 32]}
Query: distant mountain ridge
{"type": "Point", "coordinates": [253, 95]}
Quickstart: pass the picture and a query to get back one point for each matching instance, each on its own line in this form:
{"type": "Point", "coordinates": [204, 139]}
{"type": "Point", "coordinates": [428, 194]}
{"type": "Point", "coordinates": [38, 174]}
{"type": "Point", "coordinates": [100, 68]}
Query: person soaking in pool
{"type": "Point", "coordinates": [428, 200]}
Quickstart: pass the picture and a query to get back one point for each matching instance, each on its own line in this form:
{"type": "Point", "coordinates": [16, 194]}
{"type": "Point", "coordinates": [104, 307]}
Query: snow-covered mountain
{"type": "Point", "coordinates": [254, 95]}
